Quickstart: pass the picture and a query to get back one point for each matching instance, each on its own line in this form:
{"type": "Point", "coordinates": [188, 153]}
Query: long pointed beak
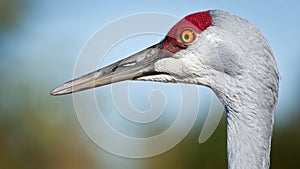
{"type": "Point", "coordinates": [130, 68]}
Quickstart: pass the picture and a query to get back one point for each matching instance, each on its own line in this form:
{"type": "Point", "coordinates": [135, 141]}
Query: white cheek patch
{"type": "Point", "coordinates": [213, 38]}
{"type": "Point", "coordinates": [169, 65]}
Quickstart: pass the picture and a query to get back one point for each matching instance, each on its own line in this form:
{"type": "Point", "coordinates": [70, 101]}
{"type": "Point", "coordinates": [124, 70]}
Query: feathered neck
{"type": "Point", "coordinates": [250, 117]}
{"type": "Point", "coordinates": [246, 81]}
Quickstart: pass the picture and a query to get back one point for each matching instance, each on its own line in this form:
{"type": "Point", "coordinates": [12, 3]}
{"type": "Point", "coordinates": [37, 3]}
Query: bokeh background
{"type": "Point", "coordinates": [39, 44]}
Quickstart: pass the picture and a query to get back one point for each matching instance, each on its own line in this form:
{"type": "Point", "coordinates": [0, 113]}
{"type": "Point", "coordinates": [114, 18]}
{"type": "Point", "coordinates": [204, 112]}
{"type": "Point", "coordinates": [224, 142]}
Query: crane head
{"type": "Point", "coordinates": [201, 49]}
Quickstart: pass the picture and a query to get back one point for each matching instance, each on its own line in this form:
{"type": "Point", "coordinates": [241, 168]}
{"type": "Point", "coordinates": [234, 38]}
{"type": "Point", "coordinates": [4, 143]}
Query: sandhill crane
{"type": "Point", "coordinates": [223, 52]}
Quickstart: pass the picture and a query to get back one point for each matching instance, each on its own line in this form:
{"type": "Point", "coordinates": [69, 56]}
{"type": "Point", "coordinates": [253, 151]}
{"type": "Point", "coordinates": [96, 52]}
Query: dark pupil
{"type": "Point", "coordinates": [186, 36]}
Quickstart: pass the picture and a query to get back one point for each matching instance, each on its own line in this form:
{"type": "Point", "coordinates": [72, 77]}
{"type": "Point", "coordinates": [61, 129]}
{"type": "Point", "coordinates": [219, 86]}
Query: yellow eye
{"type": "Point", "coordinates": [187, 36]}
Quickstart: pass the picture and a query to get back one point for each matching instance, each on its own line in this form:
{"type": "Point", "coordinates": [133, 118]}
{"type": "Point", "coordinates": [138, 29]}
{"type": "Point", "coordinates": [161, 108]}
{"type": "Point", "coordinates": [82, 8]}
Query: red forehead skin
{"type": "Point", "coordinates": [198, 22]}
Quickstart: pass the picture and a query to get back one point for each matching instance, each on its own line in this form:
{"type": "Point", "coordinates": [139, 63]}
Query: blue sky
{"type": "Point", "coordinates": [49, 39]}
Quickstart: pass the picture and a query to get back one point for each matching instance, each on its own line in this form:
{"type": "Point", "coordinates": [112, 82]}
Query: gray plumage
{"type": "Point", "coordinates": [249, 92]}
{"type": "Point", "coordinates": [232, 58]}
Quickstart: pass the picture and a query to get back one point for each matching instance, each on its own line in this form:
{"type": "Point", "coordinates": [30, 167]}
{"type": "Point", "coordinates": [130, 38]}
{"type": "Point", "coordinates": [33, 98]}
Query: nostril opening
{"type": "Point", "coordinates": [114, 68]}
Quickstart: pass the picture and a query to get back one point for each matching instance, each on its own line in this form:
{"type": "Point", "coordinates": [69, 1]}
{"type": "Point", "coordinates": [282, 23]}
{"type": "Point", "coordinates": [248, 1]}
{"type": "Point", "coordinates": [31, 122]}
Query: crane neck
{"type": "Point", "coordinates": [250, 117]}
{"type": "Point", "coordinates": [248, 140]}
{"type": "Point", "coordinates": [244, 75]}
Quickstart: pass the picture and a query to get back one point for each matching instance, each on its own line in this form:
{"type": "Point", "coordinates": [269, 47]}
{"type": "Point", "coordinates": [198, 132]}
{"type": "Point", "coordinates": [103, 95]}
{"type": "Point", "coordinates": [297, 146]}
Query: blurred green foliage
{"type": "Point", "coordinates": [286, 144]}
{"type": "Point", "coordinates": [35, 134]}
{"type": "Point", "coordinates": [10, 13]}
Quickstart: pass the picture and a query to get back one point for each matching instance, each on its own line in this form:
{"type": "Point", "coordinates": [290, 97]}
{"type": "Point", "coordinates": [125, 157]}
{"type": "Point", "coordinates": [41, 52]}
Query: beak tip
{"type": "Point", "coordinates": [54, 92]}
{"type": "Point", "coordinates": [59, 91]}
